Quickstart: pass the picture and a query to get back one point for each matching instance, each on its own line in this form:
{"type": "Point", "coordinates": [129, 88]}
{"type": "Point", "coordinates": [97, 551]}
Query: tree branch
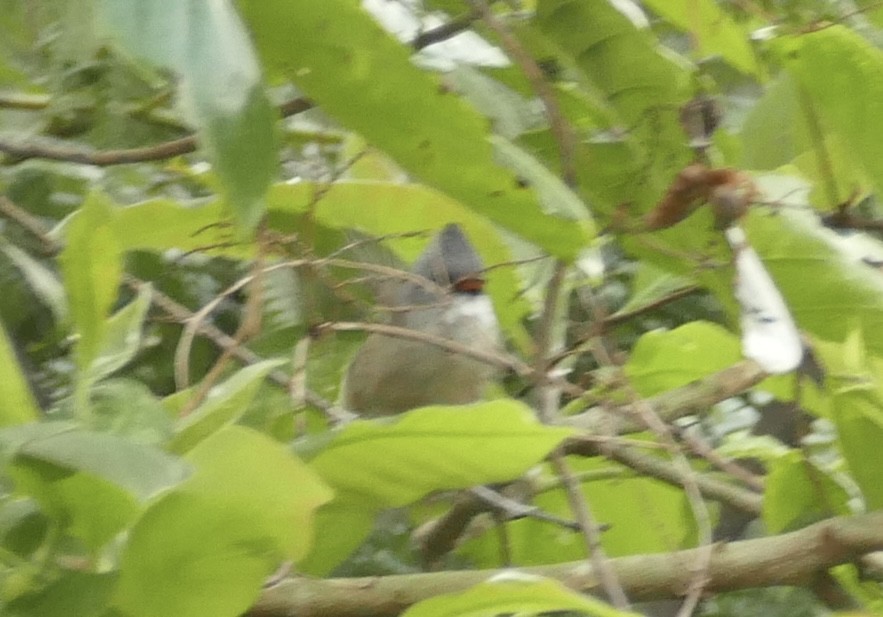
{"type": "Point", "coordinates": [105, 158]}
{"type": "Point", "coordinates": [794, 558]}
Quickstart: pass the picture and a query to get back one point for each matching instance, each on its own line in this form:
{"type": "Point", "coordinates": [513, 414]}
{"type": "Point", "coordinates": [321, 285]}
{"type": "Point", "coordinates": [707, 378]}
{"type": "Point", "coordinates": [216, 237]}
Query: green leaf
{"type": "Point", "coordinates": [381, 208]}
{"type": "Point", "coordinates": [554, 194]}
{"type": "Point", "coordinates": [160, 224]}
{"type": "Point", "coordinates": [188, 557]}
{"type": "Point", "coordinates": [92, 265]}
{"type": "Point", "coordinates": [628, 159]}
{"type": "Point", "coordinates": [515, 593]}
{"type": "Point", "coordinates": [434, 448]}
{"type": "Point", "coordinates": [128, 408]}
{"type": "Point", "coordinates": [85, 506]}
{"type": "Point", "coordinates": [512, 113]}
{"type": "Point", "coordinates": [142, 470]}
{"type": "Point", "coordinates": [404, 111]}
{"type": "Point", "coordinates": [42, 280]}
{"type": "Point", "coordinates": [641, 515]}
{"type": "Point", "coordinates": [17, 404]}
{"type": "Point", "coordinates": [207, 46]}
{"type": "Point", "coordinates": [206, 549]}
{"type": "Point", "coordinates": [774, 132]}
{"type": "Point", "coordinates": [74, 594]}
{"type": "Point", "coordinates": [859, 420]}
{"type": "Point", "coordinates": [650, 285]}
{"type": "Point", "coordinates": [341, 527]}
{"type": "Point", "coordinates": [621, 59]}
{"type": "Point", "coordinates": [826, 64]}
{"type": "Point", "coordinates": [662, 360]}
{"type": "Point", "coordinates": [817, 272]}
{"type": "Point", "coordinates": [713, 31]}
{"type": "Point", "coordinates": [225, 404]}
{"type": "Point", "coordinates": [122, 336]}
{"type": "Point", "coordinates": [275, 491]}
{"type": "Point", "coordinates": [798, 493]}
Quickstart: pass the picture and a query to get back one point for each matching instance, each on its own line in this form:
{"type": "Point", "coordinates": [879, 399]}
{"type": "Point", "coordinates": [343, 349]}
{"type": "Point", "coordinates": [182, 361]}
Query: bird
{"type": "Point", "coordinates": [445, 298]}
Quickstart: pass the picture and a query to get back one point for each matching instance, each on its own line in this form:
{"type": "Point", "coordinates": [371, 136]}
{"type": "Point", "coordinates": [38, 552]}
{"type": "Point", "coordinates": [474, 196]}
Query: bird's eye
{"type": "Point", "coordinates": [470, 285]}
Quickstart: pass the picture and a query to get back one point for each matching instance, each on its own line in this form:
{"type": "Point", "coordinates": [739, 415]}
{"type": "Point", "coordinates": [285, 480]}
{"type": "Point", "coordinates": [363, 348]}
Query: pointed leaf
{"type": "Point", "coordinates": [92, 266]}
{"type": "Point", "coordinates": [829, 62]}
{"type": "Point", "coordinates": [142, 470]}
{"type": "Point", "coordinates": [122, 336]}
{"type": "Point", "coordinates": [42, 280]}
{"type": "Point", "coordinates": [406, 112]}
{"type": "Point", "coordinates": [435, 448]}
{"type": "Point", "coordinates": [799, 493]}
{"type": "Point", "coordinates": [662, 360]}
{"type": "Point", "coordinates": [712, 30]}
{"type": "Point", "coordinates": [207, 46]}
{"type": "Point", "coordinates": [17, 404]}
{"type": "Point", "coordinates": [226, 404]}
{"type": "Point", "coordinates": [206, 549]}
{"type": "Point", "coordinates": [859, 421]}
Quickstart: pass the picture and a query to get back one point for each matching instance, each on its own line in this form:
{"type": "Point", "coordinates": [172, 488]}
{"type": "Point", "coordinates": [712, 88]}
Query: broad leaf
{"type": "Point", "coordinates": [640, 515]}
{"type": "Point", "coordinates": [205, 549]}
{"type": "Point", "coordinates": [142, 470]}
{"type": "Point", "coordinates": [226, 403]}
{"type": "Point", "coordinates": [713, 31]}
{"type": "Point", "coordinates": [434, 448]}
{"type": "Point", "coordinates": [377, 91]}
{"type": "Point", "coordinates": [859, 419]}
{"type": "Point", "coordinates": [207, 46]}
{"type": "Point", "coordinates": [827, 287]}
{"type": "Point", "coordinates": [84, 505]}
{"type": "Point", "coordinates": [798, 493]}
{"type": "Point", "coordinates": [662, 360]}
{"type": "Point", "coordinates": [827, 63]}
{"type": "Point", "coordinates": [74, 594]}
{"type": "Point", "coordinates": [341, 527]}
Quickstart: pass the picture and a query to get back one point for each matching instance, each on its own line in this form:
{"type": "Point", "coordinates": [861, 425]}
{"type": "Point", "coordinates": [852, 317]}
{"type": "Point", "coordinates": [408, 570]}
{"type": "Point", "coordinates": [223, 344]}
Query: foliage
{"type": "Point", "coordinates": [167, 445]}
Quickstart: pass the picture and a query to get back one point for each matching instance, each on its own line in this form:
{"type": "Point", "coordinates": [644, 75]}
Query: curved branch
{"type": "Point", "coordinates": [795, 558]}
{"type": "Point", "coordinates": [105, 158]}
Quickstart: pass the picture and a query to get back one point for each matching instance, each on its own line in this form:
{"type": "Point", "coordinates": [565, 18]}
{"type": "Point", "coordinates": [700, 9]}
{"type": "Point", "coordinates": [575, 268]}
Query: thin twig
{"type": "Point", "coordinates": [443, 32]}
{"type": "Point", "coordinates": [548, 394]}
{"type": "Point", "coordinates": [512, 509]}
{"type": "Point", "coordinates": [564, 137]}
{"type": "Point", "coordinates": [27, 220]}
{"type": "Point", "coordinates": [105, 158]}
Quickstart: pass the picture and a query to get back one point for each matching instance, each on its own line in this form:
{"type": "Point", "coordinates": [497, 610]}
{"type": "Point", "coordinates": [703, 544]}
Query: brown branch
{"type": "Point", "coordinates": [494, 359]}
{"type": "Point", "coordinates": [443, 32]}
{"type": "Point", "coordinates": [439, 536]}
{"type": "Point", "coordinates": [105, 158]}
{"type": "Point", "coordinates": [709, 486]}
{"type": "Point", "coordinates": [31, 224]}
{"type": "Point", "coordinates": [561, 131]}
{"type": "Point", "coordinates": [695, 398]}
{"type": "Point", "coordinates": [795, 558]}
{"type": "Point", "coordinates": [618, 318]}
